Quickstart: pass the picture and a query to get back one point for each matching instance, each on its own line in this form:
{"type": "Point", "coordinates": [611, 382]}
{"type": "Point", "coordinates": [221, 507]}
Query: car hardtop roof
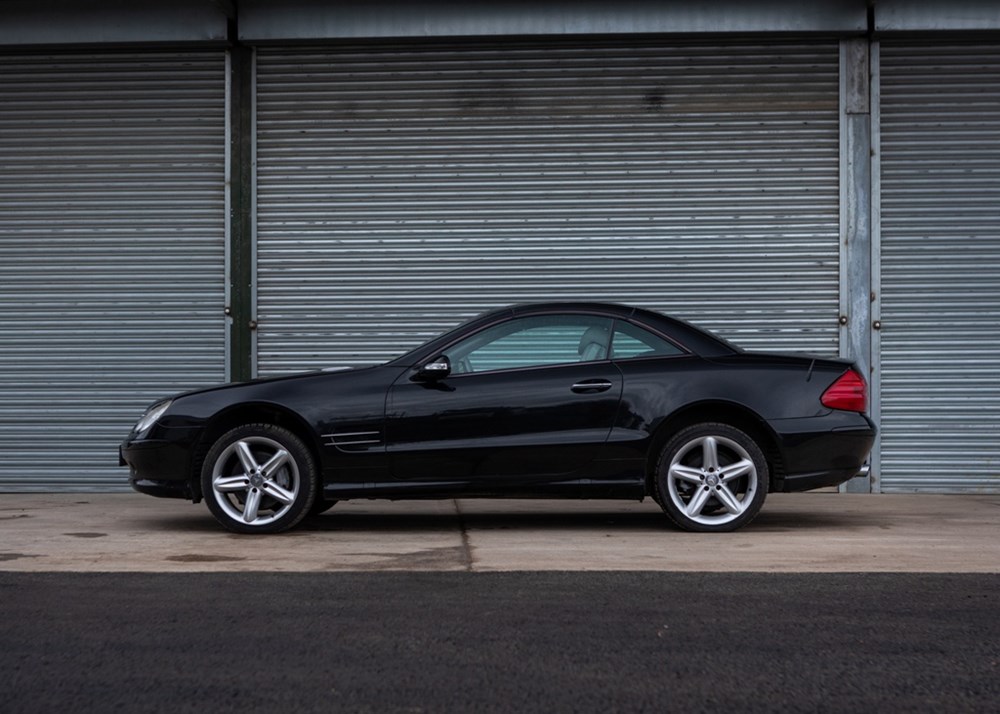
{"type": "Point", "coordinates": [688, 336]}
{"type": "Point", "coordinates": [606, 308]}
{"type": "Point", "coordinates": [694, 338]}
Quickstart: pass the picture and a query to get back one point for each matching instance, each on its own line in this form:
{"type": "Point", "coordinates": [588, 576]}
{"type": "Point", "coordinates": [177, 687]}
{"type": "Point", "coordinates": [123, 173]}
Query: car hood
{"type": "Point", "coordinates": [329, 372]}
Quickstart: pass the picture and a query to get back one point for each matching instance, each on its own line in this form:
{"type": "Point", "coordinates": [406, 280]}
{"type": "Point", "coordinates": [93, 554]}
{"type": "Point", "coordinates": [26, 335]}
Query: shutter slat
{"type": "Point", "coordinates": [112, 249]}
{"type": "Point", "coordinates": [940, 337]}
{"type": "Point", "coordinates": [402, 189]}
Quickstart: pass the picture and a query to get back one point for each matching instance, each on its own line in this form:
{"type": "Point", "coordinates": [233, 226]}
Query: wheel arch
{"type": "Point", "coordinates": [251, 413]}
{"type": "Point", "coordinates": [735, 415]}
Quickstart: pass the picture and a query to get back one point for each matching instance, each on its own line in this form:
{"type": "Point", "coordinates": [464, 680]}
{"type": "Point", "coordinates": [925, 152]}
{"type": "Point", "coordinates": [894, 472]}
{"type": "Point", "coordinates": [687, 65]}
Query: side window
{"type": "Point", "coordinates": [533, 342]}
{"type": "Point", "coordinates": [632, 341]}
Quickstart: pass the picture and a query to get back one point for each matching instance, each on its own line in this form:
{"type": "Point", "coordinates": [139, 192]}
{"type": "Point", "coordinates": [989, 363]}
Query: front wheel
{"type": "Point", "coordinates": [259, 478]}
{"type": "Point", "coordinates": [711, 477]}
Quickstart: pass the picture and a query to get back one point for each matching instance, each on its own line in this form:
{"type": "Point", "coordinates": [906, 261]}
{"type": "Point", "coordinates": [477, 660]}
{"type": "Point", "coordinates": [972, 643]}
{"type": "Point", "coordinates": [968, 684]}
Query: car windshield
{"type": "Point", "coordinates": [447, 337]}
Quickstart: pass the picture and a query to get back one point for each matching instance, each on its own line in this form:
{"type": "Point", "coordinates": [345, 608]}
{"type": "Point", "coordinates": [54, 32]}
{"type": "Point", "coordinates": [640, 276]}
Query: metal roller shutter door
{"type": "Point", "coordinates": [402, 189]}
{"type": "Point", "coordinates": [940, 267]}
{"type": "Point", "coordinates": [112, 250]}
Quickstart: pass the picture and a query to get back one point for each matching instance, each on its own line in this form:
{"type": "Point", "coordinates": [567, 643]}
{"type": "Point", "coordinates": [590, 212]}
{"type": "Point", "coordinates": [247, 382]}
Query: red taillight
{"type": "Point", "coordinates": [849, 393]}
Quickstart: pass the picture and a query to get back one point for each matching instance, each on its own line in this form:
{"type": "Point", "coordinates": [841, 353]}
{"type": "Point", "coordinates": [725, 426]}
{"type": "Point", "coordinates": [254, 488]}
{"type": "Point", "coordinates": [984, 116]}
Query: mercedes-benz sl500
{"type": "Point", "coordinates": [547, 400]}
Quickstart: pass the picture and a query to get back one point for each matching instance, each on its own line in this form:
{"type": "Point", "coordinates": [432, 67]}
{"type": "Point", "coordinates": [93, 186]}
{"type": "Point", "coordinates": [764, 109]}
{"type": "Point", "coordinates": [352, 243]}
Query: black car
{"type": "Point", "coordinates": [549, 400]}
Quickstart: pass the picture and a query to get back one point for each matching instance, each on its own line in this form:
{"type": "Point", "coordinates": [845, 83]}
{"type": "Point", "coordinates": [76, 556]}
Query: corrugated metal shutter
{"type": "Point", "coordinates": [940, 341]}
{"type": "Point", "coordinates": [112, 249]}
{"type": "Point", "coordinates": [401, 189]}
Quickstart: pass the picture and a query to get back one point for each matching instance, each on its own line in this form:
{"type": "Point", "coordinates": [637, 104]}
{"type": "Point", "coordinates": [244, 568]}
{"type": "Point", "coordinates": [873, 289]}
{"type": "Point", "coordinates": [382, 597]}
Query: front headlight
{"type": "Point", "coordinates": [149, 418]}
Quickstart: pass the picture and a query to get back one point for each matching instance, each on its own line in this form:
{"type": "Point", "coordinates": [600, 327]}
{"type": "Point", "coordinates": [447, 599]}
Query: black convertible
{"type": "Point", "coordinates": [550, 400]}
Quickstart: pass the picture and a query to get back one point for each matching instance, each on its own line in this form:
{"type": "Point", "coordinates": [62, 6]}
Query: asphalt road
{"type": "Point", "coordinates": [504, 642]}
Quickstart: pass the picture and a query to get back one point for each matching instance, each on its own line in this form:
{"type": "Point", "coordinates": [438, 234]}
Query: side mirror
{"type": "Point", "coordinates": [436, 369]}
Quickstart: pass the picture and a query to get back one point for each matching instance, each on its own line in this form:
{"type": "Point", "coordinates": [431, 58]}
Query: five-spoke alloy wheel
{"type": "Point", "coordinates": [711, 477]}
{"type": "Point", "coordinates": [259, 478]}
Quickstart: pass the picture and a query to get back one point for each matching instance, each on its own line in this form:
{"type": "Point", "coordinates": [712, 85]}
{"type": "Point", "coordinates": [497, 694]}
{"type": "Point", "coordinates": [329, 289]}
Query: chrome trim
{"type": "Point", "coordinates": [343, 440]}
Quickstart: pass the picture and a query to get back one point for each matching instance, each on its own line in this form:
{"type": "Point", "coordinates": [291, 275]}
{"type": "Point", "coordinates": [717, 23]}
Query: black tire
{"type": "Point", "coordinates": [711, 478]}
{"type": "Point", "coordinates": [259, 478]}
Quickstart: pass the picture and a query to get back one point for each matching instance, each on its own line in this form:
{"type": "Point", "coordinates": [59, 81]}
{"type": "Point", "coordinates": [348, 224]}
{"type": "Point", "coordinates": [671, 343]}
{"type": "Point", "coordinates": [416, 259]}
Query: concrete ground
{"type": "Point", "coordinates": [795, 533]}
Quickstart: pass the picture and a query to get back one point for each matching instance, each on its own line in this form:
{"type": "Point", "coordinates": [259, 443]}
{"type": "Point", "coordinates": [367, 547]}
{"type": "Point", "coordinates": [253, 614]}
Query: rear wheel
{"type": "Point", "coordinates": [259, 478]}
{"type": "Point", "coordinates": [711, 477]}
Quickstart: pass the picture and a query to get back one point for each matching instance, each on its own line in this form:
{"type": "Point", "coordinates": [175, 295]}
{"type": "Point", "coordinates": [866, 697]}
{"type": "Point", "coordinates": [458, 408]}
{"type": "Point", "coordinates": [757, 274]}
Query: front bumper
{"type": "Point", "coordinates": [158, 467]}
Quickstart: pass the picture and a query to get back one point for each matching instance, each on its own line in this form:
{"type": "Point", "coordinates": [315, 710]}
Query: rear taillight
{"type": "Point", "coordinates": [849, 393]}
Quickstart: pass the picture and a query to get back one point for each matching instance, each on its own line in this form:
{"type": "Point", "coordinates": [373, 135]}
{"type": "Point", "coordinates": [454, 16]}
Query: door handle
{"type": "Point", "coordinates": [591, 385]}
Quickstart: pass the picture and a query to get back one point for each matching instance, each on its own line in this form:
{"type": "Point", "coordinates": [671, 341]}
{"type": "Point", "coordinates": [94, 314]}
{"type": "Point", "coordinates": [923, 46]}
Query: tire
{"type": "Point", "coordinates": [259, 478]}
{"type": "Point", "coordinates": [711, 478]}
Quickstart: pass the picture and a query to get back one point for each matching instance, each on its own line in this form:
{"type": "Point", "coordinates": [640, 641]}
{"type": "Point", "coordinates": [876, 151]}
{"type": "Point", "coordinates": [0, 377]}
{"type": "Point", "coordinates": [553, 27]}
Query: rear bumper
{"type": "Point", "coordinates": [820, 479]}
{"type": "Point", "coordinates": [824, 451]}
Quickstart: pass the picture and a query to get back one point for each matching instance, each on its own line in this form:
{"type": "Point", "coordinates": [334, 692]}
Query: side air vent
{"type": "Point", "coordinates": [353, 441]}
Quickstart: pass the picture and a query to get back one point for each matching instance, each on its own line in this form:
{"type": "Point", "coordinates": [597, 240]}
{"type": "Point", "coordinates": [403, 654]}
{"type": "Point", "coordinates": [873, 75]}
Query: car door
{"type": "Point", "coordinates": [527, 401]}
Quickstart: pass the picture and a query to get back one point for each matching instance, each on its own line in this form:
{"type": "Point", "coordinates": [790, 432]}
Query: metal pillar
{"type": "Point", "coordinates": [240, 272]}
{"type": "Point", "coordinates": [856, 292]}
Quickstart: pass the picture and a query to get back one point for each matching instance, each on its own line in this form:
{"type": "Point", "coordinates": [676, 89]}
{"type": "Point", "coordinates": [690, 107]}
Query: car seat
{"type": "Point", "coordinates": [594, 344]}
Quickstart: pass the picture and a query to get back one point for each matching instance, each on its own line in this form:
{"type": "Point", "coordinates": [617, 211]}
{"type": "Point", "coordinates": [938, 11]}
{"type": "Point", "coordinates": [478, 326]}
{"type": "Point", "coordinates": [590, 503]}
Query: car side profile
{"type": "Point", "coordinates": [553, 400]}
